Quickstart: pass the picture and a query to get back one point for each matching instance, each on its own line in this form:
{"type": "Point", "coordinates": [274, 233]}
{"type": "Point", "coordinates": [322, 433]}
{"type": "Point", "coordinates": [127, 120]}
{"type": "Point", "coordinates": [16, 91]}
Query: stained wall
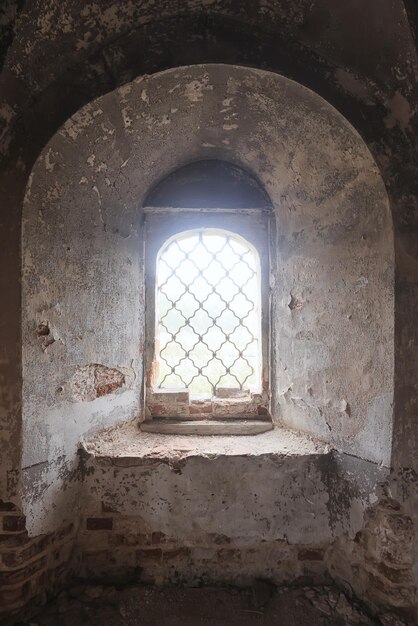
{"type": "Point", "coordinates": [332, 295]}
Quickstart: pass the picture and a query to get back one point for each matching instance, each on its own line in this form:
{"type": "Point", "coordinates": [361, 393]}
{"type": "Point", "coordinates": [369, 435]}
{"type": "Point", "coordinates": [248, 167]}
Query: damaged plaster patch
{"type": "Point", "coordinates": [93, 381]}
{"type": "Point", "coordinates": [43, 331]}
{"type": "Point", "coordinates": [295, 302]}
{"type": "Point", "coordinates": [194, 90]}
{"type": "Point", "coordinates": [79, 122]}
{"type": "Point", "coordinates": [399, 112]}
{"type": "Point", "coordinates": [354, 85]}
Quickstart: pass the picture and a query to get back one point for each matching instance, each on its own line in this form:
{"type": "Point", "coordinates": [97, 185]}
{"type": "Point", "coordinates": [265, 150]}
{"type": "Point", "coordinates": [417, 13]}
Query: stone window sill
{"type": "Point", "coordinates": [127, 444]}
{"type": "Point", "coordinates": [201, 427]}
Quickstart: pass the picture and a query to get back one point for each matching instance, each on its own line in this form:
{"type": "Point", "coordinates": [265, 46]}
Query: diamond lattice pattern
{"type": "Point", "coordinates": [208, 313]}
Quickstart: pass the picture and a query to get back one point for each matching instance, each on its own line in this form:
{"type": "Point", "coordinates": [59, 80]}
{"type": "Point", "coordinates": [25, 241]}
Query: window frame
{"type": "Point", "coordinates": [164, 223]}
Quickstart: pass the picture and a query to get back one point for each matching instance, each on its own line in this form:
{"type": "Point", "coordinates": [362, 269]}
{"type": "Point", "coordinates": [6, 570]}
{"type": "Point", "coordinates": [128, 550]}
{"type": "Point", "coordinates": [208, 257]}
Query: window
{"type": "Point", "coordinates": [207, 327]}
{"type": "Point", "coordinates": [208, 315]}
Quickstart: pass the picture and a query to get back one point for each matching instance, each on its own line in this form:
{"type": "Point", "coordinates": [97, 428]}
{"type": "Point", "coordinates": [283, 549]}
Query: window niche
{"type": "Point", "coordinates": [207, 243]}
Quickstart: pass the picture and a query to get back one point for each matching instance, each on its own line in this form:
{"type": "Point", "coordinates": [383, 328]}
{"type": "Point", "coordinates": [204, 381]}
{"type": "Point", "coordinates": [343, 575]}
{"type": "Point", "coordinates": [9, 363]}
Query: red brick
{"type": "Point", "coordinates": [99, 523]}
{"type": "Point", "coordinates": [95, 556]}
{"type": "Point", "coordinates": [12, 577]}
{"type": "Point", "coordinates": [311, 554]}
{"type": "Point", "coordinates": [116, 539]}
{"type": "Point", "coordinates": [20, 556]}
{"type": "Point", "coordinates": [229, 554]}
{"type": "Point", "coordinates": [12, 596]}
{"type": "Point", "coordinates": [12, 540]}
{"type": "Point", "coordinates": [179, 553]}
{"type": "Point", "coordinates": [154, 554]}
{"type": "Point", "coordinates": [13, 523]}
{"type": "Point", "coordinates": [130, 539]}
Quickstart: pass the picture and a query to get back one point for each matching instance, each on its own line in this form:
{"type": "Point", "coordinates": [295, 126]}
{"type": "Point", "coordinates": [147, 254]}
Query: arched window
{"type": "Point", "coordinates": [208, 314]}
{"type": "Point", "coordinates": [207, 271]}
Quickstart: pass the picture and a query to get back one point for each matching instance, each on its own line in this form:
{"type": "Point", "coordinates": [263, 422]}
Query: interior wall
{"type": "Point", "coordinates": [219, 509]}
{"type": "Point", "coordinates": [82, 307]}
{"type": "Point", "coordinates": [60, 55]}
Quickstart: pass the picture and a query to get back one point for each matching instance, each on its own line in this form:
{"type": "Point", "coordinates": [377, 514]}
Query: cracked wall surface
{"type": "Point", "coordinates": [332, 295]}
{"type": "Point", "coordinates": [182, 510]}
{"type": "Point", "coordinates": [367, 73]}
{"type": "Point", "coordinates": [58, 56]}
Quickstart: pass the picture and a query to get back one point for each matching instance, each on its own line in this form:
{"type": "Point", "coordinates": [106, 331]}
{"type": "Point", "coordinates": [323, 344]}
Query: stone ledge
{"type": "Point", "coordinates": [238, 427]}
{"type": "Point", "coordinates": [129, 442]}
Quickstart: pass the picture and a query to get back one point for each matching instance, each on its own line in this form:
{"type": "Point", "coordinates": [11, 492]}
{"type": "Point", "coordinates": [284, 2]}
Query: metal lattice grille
{"type": "Point", "coordinates": [208, 313]}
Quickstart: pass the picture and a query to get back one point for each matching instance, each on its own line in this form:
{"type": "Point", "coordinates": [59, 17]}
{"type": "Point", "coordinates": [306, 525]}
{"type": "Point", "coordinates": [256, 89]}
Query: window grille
{"type": "Point", "coordinates": [208, 313]}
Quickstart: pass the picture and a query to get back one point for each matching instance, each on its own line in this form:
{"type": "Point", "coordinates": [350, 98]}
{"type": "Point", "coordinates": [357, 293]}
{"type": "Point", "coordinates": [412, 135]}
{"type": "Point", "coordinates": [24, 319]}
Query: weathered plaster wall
{"type": "Point", "coordinates": [60, 55]}
{"type": "Point", "coordinates": [360, 57]}
{"type": "Point", "coordinates": [278, 506]}
{"type": "Point", "coordinates": [332, 299]}
{"type": "Point", "coordinates": [81, 324]}
{"type": "Point", "coordinates": [224, 509]}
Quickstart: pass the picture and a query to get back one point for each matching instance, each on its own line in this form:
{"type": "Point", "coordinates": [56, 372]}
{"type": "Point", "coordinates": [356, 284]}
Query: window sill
{"type": "Point", "coordinates": [127, 444]}
{"type": "Point", "coordinates": [200, 428]}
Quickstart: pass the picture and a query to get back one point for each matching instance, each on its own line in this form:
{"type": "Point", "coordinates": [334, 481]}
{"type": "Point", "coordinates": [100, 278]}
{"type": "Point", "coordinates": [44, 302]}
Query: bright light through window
{"type": "Point", "coordinates": [208, 313]}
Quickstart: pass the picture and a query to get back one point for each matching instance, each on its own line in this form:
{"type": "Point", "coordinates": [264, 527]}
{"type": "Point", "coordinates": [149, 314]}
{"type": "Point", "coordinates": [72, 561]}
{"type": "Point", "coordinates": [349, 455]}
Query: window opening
{"type": "Point", "coordinates": [208, 314]}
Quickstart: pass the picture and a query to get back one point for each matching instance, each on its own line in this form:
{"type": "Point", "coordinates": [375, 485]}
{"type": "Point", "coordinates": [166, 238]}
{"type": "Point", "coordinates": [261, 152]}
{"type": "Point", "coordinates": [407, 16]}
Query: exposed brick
{"type": "Point", "coordinates": [14, 523]}
{"type": "Point", "coordinates": [218, 539]}
{"type": "Point", "coordinates": [116, 539]}
{"type": "Point", "coordinates": [95, 556]}
{"type": "Point", "coordinates": [311, 554]}
{"type": "Point", "coordinates": [394, 575]}
{"type": "Point", "coordinates": [129, 540]}
{"type": "Point", "coordinates": [12, 540]}
{"type": "Point", "coordinates": [155, 554]}
{"type": "Point", "coordinates": [229, 554]}
{"type": "Point", "coordinates": [178, 553]}
{"type": "Point", "coordinates": [12, 577]}
{"type": "Point", "coordinates": [13, 596]}
{"type": "Point", "coordinates": [18, 557]}
{"type": "Point", "coordinates": [99, 523]}
{"type": "Point", "coordinates": [27, 569]}
{"type": "Point", "coordinates": [159, 537]}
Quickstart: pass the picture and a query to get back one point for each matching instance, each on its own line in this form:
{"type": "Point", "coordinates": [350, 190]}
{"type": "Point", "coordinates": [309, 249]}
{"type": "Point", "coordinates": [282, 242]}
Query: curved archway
{"type": "Point", "coordinates": [333, 240]}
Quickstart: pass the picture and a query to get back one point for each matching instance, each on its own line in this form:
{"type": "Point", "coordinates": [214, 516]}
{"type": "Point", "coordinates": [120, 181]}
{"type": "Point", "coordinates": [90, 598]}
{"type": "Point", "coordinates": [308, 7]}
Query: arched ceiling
{"type": "Point", "coordinates": [359, 55]}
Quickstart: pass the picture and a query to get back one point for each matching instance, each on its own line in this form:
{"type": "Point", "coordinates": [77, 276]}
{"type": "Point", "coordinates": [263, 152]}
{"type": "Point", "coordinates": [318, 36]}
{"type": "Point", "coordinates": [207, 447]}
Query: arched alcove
{"type": "Point", "coordinates": [83, 308]}
{"type": "Point", "coordinates": [209, 183]}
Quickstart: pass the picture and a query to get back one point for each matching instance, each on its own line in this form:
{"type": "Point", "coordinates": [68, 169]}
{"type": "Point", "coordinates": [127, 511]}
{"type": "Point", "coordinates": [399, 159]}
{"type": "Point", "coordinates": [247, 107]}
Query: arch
{"type": "Point", "coordinates": [209, 183]}
{"type": "Point", "coordinates": [35, 119]}
{"type": "Point", "coordinates": [333, 239]}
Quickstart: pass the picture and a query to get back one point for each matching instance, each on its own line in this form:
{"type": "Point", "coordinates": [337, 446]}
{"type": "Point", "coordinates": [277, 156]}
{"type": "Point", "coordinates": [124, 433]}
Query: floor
{"type": "Point", "coordinates": [261, 605]}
